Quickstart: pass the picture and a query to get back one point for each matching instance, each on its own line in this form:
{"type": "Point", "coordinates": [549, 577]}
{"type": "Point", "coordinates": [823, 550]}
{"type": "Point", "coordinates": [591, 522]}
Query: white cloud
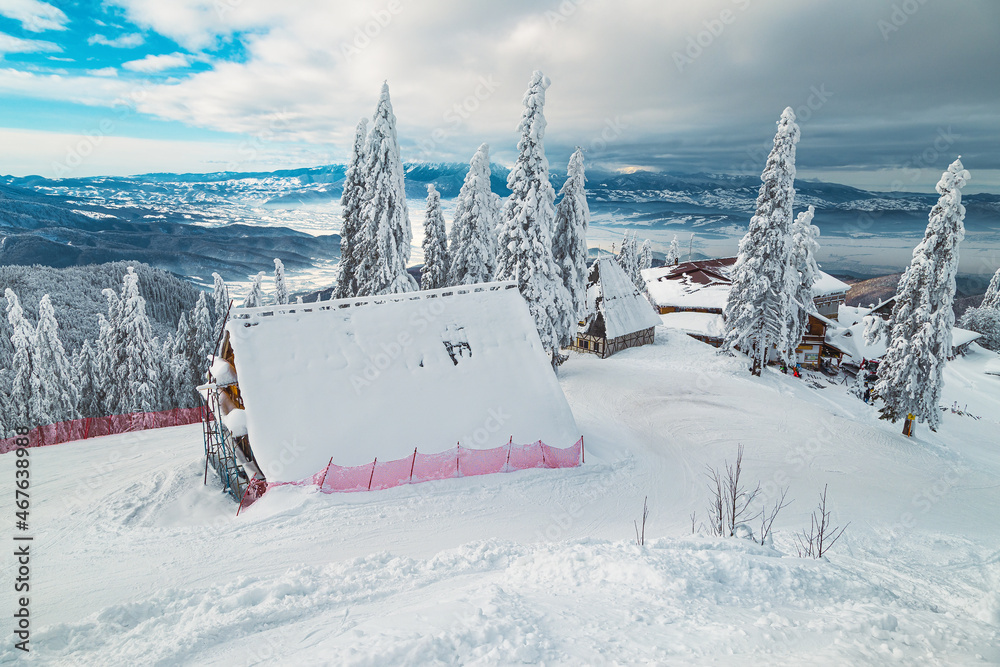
{"type": "Point", "coordinates": [101, 151]}
{"type": "Point", "coordinates": [126, 41]}
{"type": "Point", "coordinates": [34, 15]}
{"type": "Point", "coordinates": [10, 44]}
{"type": "Point", "coordinates": [104, 71]}
{"type": "Point", "coordinates": [151, 64]}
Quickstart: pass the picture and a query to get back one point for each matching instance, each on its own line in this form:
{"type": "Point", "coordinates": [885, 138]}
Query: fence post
{"type": "Point", "coordinates": [510, 443]}
{"type": "Point", "coordinates": [541, 448]}
{"type": "Point", "coordinates": [583, 451]}
{"type": "Point", "coordinates": [458, 453]}
{"type": "Point", "coordinates": [412, 464]}
{"type": "Point", "coordinates": [373, 474]}
{"type": "Point", "coordinates": [327, 472]}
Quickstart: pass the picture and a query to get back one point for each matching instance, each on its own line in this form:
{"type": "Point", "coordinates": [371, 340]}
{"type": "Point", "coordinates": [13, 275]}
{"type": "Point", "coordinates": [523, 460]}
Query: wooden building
{"type": "Point", "coordinates": [619, 316]}
{"type": "Point", "coordinates": [692, 297]}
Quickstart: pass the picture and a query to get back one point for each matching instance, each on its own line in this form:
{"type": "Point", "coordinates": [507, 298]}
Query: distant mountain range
{"type": "Point", "coordinates": [235, 223]}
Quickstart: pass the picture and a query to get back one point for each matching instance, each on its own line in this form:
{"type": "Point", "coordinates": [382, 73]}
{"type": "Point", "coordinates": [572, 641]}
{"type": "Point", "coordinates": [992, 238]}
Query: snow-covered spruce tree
{"type": "Point", "coordinates": [802, 275]}
{"type": "Point", "coordinates": [351, 202]}
{"type": "Point", "coordinates": [142, 353]}
{"type": "Point", "coordinates": [255, 297]}
{"type": "Point", "coordinates": [88, 381]}
{"type": "Point", "coordinates": [646, 256]}
{"type": "Point", "coordinates": [992, 297]}
{"type": "Point", "coordinates": [569, 242]}
{"type": "Point", "coordinates": [110, 356]}
{"type": "Point", "coordinates": [985, 321]}
{"type": "Point", "coordinates": [626, 256]}
{"type": "Point", "coordinates": [919, 339]}
{"type": "Point", "coordinates": [220, 294]}
{"type": "Point", "coordinates": [473, 232]}
{"type": "Point", "coordinates": [434, 272]}
{"type": "Point", "coordinates": [201, 324]}
{"type": "Point", "coordinates": [673, 253]}
{"type": "Point", "coordinates": [280, 285]}
{"type": "Point", "coordinates": [24, 385]}
{"type": "Point", "coordinates": [757, 311]}
{"type": "Point", "coordinates": [58, 394]}
{"type": "Point", "coordinates": [525, 244]}
{"type": "Point", "coordinates": [386, 240]}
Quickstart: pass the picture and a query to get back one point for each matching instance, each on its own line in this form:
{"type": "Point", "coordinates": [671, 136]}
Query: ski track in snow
{"type": "Point", "coordinates": [135, 562]}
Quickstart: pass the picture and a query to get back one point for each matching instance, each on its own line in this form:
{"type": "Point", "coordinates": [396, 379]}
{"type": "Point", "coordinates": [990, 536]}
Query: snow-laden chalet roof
{"type": "Point", "coordinates": [848, 335]}
{"type": "Point", "coordinates": [612, 294]}
{"type": "Point", "coordinates": [705, 284]}
{"type": "Point", "coordinates": [358, 378]}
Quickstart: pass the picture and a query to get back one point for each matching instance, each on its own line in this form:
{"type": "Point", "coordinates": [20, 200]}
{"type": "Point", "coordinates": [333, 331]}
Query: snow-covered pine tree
{"type": "Point", "coordinates": [802, 275]}
{"type": "Point", "coordinates": [387, 238]}
{"type": "Point", "coordinates": [351, 203]}
{"type": "Point", "coordinates": [691, 248]}
{"type": "Point", "coordinates": [255, 297]}
{"type": "Point", "coordinates": [142, 353]}
{"type": "Point", "coordinates": [201, 324]}
{"type": "Point", "coordinates": [434, 272]}
{"type": "Point", "coordinates": [626, 256]}
{"type": "Point", "coordinates": [280, 285]}
{"type": "Point", "coordinates": [569, 242]}
{"type": "Point", "coordinates": [88, 381]}
{"type": "Point", "coordinates": [757, 311]}
{"type": "Point", "coordinates": [985, 321]}
{"type": "Point", "coordinates": [110, 356]}
{"type": "Point", "coordinates": [992, 297]}
{"type": "Point", "coordinates": [473, 232]}
{"type": "Point", "coordinates": [673, 253]}
{"type": "Point", "coordinates": [919, 339]}
{"type": "Point", "coordinates": [24, 385]}
{"type": "Point", "coordinates": [646, 256]}
{"type": "Point", "coordinates": [220, 295]}
{"type": "Point", "coordinates": [525, 247]}
{"type": "Point", "coordinates": [58, 395]}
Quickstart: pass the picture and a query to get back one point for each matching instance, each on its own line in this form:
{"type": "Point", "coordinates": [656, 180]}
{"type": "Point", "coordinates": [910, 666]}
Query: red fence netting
{"type": "Point", "coordinates": [81, 429]}
{"type": "Point", "coordinates": [456, 462]}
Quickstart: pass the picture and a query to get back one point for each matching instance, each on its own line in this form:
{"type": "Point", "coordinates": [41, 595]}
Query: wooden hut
{"type": "Point", "coordinates": [619, 316]}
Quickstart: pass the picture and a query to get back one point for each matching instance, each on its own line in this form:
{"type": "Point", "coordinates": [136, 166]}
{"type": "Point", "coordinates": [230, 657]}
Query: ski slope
{"type": "Point", "coordinates": [136, 562]}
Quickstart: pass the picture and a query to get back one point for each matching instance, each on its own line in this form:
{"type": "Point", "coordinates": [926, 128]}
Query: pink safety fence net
{"type": "Point", "coordinates": [456, 462]}
{"type": "Point", "coordinates": [80, 429]}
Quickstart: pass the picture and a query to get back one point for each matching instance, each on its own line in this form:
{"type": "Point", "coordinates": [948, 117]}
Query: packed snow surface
{"type": "Point", "coordinates": [357, 379]}
{"type": "Point", "coordinates": [135, 562]}
{"type": "Point", "coordinates": [692, 322]}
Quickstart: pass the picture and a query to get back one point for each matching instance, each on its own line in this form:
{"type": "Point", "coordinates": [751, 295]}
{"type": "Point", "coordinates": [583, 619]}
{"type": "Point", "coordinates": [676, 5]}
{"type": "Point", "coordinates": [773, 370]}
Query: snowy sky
{"type": "Point", "coordinates": [888, 92]}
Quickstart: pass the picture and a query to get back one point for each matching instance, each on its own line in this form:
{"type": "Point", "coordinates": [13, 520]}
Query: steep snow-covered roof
{"type": "Point", "coordinates": [961, 337]}
{"type": "Point", "coordinates": [624, 309]}
{"type": "Point", "coordinates": [358, 378]}
{"type": "Point", "coordinates": [826, 284]}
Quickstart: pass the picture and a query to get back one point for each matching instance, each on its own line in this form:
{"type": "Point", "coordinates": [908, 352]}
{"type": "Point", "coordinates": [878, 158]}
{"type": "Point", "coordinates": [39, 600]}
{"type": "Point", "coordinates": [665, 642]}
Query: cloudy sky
{"type": "Point", "coordinates": [887, 92]}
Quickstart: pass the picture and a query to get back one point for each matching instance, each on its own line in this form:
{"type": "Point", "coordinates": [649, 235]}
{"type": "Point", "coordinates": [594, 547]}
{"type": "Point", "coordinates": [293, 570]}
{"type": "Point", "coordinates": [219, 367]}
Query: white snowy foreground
{"type": "Point", "coordinates": [136, 563]}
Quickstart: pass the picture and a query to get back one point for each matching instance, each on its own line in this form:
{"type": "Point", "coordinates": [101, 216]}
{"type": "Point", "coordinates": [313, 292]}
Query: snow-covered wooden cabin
{"type": "Point", "coordinates": [618, 315]}
{"type": "Point", "coordinates": [355, 379]}
{"type": "Point", "coordinates": [692, 296]}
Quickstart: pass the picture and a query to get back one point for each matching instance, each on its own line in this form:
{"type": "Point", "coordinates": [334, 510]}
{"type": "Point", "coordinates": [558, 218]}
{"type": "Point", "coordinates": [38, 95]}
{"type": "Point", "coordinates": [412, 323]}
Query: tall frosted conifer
{"type": "Point", "coordinates": [525, 243]}
{"type": "Point", "coordinates": [351, 203]}
{"type": "Point", "coordinates": [758, 309]}
{"type": "Point", "coordinates": [434, 273]}
{"type": "Point", "coordinates": [569, 242]}
{"type": "Point", "coordinates": [473, 232]}
{"type": "Point", "coordinates": [919, 337]}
